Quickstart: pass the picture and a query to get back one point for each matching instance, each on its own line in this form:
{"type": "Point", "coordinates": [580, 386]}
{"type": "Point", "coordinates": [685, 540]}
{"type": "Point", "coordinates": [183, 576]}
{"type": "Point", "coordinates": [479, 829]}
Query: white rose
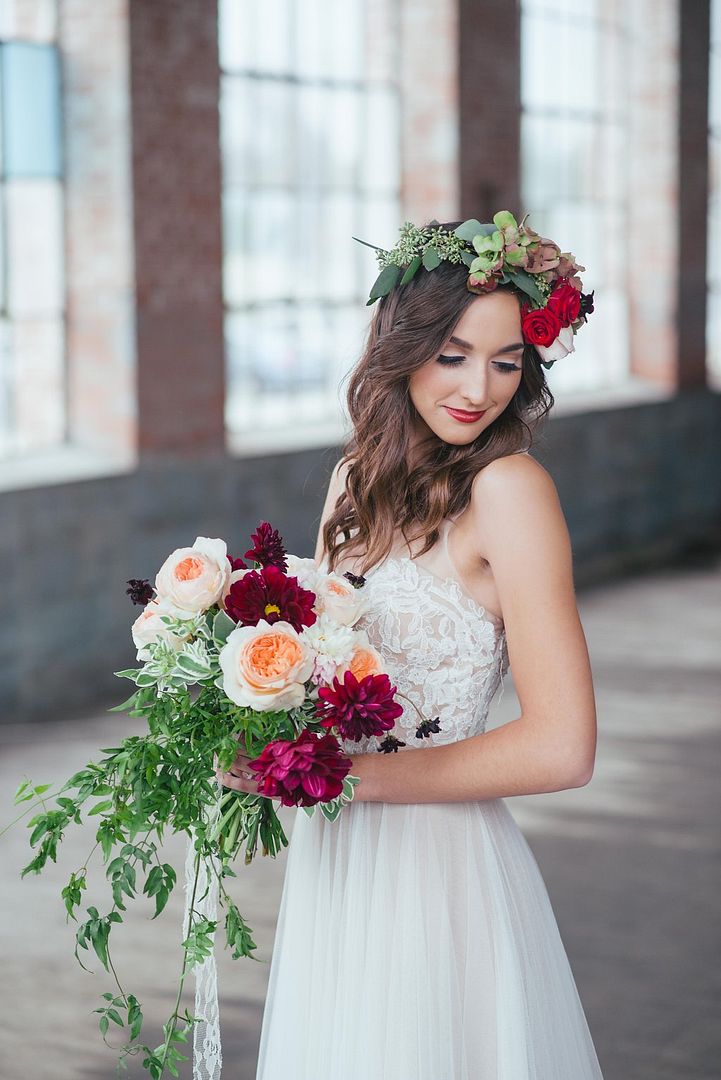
{"type": "Point", "coordinates": [266, 666]}
{"type": "Point", "coordinates": [305, 570]}
{"type": "Point", "coordinates": [194, 578]}
{"type": "Point", "coordinates": [562, 346]}
{"type": "Point", "coordinates": [339, 599]}
{"type": "Point", "coordinates": [149, 627]}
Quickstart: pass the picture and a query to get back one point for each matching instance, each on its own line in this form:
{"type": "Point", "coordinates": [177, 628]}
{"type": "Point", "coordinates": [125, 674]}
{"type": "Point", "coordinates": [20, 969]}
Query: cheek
{"type": "Point", "coordinates": [429, 381]}
{"type": "Point", "coordinates": [506, 386]}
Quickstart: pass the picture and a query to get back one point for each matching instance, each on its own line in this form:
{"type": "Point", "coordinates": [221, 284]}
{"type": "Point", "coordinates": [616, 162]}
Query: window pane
{"type": "Point", "coordinates": [380, 156]}
{"type": "Point", "coordinates": [31, 109]}
{"type": "Point", "coordinates": [344, 137]}
{"type": "Point", "coordinates": [271, 246]}
{"type": "Point", "coordinates": [34, 247]}
{"type": "Point", "coordinates": [272, 44]}
{"type": "Point", "coordinates": [574, 182]}
{"type": "Point", "coordinates": [339, 280]}
{"type": "Point", "coordinates": [310, 36]}
{"type": "Point", "coordinates": [560, 63]}
{"type": "Point", "coordinates": [236, 34]}
{"type": "Point", "coordinates": [31, 20]}
{"type": "Point", "coordinates": [297, 188]}
{"type": "Point", "coordinates": [344, 37]}
{"type": "Point", "coordinates": [35, 394]}
{"type": "Point", "coordinates": [237, 280]}
{"type": "Point", "coordinates": [236, 129]}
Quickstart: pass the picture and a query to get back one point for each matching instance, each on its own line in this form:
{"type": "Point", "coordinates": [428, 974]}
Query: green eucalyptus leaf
{"type": "Point", "coordinates": [431, 258]}
{"type": "Point", "coordinates": [411, 270]}
{"type": "Point", "coordinates": [470, 228]}
{"type": "Point", "coordinates": [524, 281]}
{"type": "Point", "coordinates": [384, 282]}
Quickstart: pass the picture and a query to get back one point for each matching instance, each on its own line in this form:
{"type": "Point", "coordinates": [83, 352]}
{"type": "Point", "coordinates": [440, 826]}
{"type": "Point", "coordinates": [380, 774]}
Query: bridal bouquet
{"type": "Point", "coordinates": [264, 659]}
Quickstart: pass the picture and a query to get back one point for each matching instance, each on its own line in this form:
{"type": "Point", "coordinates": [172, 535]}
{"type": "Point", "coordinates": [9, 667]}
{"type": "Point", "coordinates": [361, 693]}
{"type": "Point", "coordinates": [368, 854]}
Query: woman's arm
{"type": "Point", "coordinates": [522, 532]}
{"type": "Point", "coordinates": [336, 487]}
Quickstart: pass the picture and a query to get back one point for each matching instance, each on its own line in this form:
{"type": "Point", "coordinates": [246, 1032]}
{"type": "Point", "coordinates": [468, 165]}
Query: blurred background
{"type": "Point", "coordinates": [181, 301]}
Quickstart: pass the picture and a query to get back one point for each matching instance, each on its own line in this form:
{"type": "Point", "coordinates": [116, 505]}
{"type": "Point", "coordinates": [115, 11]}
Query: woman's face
{"type": "Point", "coordinates": [478, 369]}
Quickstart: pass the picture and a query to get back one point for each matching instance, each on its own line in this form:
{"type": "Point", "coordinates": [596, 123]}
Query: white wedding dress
{"type": "Point", "coordinates": [416, 941]}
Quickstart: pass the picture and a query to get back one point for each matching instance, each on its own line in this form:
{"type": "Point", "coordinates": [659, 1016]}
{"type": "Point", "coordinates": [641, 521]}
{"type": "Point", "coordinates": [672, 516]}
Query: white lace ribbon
{"type": "Point", "coordinates": [207, 1058]}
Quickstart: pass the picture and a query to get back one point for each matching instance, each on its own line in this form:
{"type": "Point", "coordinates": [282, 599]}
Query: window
{"type": "Point", "coordinates": [574, 54]}
{"type": "Point", "coordinates": [32, 303]}
{"type": "Point", "coordinates": [310, 146]}
{"type": "Point", "coordinates": [713, 321]}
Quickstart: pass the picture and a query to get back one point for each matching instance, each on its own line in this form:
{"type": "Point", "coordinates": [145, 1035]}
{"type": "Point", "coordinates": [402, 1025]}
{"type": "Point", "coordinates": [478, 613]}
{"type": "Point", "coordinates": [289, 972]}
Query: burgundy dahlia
{"type": "Point", "coordinates": [359, 708]}
{"type": "Point", "coordinates": [236, 564]}
{"type": "Point", "coordinates": [268, 547]}
{"type": "Point", "coordinates": [303, 772]}
{"type": "Point", "coordinates": [140, 591]}
{"type": "Point", "coordinates": [269, 594]}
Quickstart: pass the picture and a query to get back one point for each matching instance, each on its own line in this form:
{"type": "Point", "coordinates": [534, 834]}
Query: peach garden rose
{"type": "Point", "coordinates": [265, 667]}
{"type": "Point", "coordinates": [194, 578]}
{"type": "Point", "coordinates": [365, 660]}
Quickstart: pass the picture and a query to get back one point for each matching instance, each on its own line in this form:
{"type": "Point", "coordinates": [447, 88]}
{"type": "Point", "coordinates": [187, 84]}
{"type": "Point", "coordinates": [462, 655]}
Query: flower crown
{"type": "Point", "coordinates": [498, 254]}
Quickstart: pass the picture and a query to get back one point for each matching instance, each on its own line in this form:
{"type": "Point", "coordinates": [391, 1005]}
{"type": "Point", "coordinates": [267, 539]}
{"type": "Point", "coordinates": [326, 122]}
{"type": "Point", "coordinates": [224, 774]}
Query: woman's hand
{"type": "Point", "coordinates": [240, 776]}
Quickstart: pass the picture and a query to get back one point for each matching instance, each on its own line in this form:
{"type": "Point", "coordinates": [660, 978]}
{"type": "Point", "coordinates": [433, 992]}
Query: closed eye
{"type": "Point", "coordinates": [449, 361]}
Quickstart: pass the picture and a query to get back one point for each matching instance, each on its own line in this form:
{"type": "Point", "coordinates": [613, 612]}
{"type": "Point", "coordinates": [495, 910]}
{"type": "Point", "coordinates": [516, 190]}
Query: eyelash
{"type": "Point", "coordinates": [451, 361]}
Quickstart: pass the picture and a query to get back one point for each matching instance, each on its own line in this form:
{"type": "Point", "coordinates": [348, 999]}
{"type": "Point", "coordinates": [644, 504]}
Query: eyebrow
{"type": "Point", "coordinates": [506, 348]}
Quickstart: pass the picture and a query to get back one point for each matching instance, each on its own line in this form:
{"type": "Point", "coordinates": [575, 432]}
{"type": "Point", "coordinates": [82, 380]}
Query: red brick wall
{"type": "Point", "coordinates": [98, 225]}
{"type": "Point", "coordinates": [429, 49]}
{"type": "Point", "coordinates": [489, 80]}
{"type": "Point", "coordinates": [174, 90]}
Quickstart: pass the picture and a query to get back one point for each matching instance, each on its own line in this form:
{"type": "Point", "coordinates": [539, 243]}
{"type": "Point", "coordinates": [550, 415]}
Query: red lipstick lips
{"type": "Point", "coordinates": [463, 416]}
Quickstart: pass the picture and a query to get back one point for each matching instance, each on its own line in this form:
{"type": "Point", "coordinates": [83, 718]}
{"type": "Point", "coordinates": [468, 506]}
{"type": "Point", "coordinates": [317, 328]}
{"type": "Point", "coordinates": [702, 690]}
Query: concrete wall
{"type": "Point", "coordinates": [640, 486]}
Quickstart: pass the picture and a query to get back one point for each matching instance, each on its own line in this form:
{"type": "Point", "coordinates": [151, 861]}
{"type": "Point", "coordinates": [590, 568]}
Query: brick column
{"type": "Point", "coordinates": [693, 191]}
{"type": "Point", "coordinates": [489, 73]}
{"type": "Point", "coordinates": [98, 232]}
{"type": "Point", "coordinates": [429, 125]}
{"type": "Point", "coordinates": [174, 90]}
{"type": "Point", "coordinates": [653, 190]}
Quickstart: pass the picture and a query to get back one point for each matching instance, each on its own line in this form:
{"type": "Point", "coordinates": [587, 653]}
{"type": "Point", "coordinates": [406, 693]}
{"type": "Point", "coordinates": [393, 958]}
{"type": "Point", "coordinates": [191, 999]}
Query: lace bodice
{"type": "Point", "coordinates": [441, 648]}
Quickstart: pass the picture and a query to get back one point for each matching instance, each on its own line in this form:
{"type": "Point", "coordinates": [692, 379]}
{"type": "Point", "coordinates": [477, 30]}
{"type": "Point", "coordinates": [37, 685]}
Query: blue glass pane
{"type": "Point", "coordinates": [30, 101]}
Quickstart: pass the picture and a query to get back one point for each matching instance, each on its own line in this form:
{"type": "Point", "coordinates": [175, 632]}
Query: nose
{"type": "Point", "coordinates": [475, 385]}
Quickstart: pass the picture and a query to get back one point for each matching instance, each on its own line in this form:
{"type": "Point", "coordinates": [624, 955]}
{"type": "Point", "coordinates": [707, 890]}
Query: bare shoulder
{"type": "Point", "coordinates": [518, 470]}
{"type": "Point", "coordinates": [515, 505]}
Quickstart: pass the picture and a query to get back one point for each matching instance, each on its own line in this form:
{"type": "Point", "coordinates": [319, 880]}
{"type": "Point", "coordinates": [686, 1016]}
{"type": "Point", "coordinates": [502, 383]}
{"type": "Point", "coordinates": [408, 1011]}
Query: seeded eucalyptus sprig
{"type": "Point", "coordinates": [493, 252]}
{"type": "Point", "coordinates": [141, 789]}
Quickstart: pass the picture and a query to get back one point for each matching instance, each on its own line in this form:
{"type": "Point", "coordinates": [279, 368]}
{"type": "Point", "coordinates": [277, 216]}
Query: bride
{"type": "Point", "coordinates": [415, 937]}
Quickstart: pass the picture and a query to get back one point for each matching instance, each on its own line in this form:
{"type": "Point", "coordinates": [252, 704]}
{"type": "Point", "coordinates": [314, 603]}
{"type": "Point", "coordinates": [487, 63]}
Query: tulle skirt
{"type": "Point", "coordinates": [418, 942]}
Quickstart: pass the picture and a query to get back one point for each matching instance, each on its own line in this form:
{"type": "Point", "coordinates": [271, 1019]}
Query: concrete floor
{"type": "Point", "coordinates": [631, 861]}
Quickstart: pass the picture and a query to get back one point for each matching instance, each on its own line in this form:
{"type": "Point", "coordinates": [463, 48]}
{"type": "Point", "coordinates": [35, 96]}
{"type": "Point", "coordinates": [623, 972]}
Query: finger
{"type": "Point", "coordinates": [230, 780]}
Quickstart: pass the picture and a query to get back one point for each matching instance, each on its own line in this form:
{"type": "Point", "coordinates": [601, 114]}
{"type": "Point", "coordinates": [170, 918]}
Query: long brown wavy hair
{"type": "Point", "coordinates": [409, 327]}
